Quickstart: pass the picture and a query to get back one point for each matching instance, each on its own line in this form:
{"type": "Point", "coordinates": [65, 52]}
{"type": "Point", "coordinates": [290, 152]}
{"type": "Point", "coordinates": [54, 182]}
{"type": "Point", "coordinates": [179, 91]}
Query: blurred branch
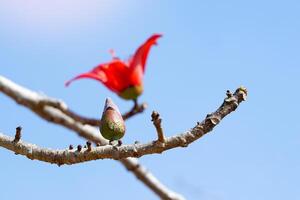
{"type": "Point", "coordinates": [51, 113]}
{"type": "Point", "coordinates": [136, 109]}
{"type": "Point", "coordinates": [60, 105]}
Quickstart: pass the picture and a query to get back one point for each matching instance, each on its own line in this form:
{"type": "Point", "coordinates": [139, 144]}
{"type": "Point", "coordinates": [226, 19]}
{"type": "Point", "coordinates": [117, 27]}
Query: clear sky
{"type": "Point", "coordinates": [207, 48]}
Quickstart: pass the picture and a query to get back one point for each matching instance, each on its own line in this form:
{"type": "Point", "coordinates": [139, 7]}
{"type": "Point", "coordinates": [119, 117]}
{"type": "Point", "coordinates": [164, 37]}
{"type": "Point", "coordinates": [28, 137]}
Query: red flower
{"type": "Point", "coordinates": [125, 78]}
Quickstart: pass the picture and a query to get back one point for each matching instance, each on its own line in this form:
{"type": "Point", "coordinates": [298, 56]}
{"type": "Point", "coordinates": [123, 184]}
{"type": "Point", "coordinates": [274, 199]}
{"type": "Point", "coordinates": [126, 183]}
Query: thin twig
{"type": "Point", "coordinates": [136, 109]}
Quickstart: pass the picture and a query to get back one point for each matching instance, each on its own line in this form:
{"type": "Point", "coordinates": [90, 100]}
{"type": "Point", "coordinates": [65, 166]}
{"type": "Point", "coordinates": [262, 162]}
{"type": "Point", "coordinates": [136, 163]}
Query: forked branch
{"type": "Point", "coordinates": [67, 156]}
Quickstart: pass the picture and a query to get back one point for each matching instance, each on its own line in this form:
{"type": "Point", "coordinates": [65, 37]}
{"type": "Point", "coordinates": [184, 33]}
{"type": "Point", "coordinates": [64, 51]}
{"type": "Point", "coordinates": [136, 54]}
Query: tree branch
{"type": "Point", "coordinates": [60, 157]}
{"type": "Point", "coordinates": [32, 101]}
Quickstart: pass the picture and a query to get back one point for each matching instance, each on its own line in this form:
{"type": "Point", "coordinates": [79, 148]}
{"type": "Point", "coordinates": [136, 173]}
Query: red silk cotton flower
{"type": "Point", "coordinates": [125, 78]}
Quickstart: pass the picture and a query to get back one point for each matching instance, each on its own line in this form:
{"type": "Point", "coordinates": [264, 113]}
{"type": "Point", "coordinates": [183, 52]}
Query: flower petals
{"type": "Point", "coordinates": [114, 75]}
{"type": "Point", "coordinates": [140, 57]}
{"type": "Point", "coordinates": [118, 75]}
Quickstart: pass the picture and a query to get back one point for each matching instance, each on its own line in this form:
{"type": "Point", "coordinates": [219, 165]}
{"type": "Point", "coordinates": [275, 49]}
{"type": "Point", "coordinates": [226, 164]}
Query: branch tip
{"type": "Point", "coordinates": [157, 123]}
{"type": "Point", "coordinates": [242, 93]}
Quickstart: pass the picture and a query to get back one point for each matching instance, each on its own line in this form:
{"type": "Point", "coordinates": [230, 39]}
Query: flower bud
{"type": "Point", "coordinates": [112, 124]}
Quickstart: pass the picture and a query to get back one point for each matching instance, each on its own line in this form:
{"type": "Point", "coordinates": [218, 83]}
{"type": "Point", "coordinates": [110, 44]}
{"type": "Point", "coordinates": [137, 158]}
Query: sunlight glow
{"type": "Point", "coordinates": [55, 15]}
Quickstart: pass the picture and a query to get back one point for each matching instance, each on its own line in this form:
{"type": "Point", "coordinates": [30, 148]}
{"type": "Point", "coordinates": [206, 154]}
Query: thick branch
{"type": "Point", "coordinates": [33, 101]}
{"type": "Point", "coordinates": [135, 150]}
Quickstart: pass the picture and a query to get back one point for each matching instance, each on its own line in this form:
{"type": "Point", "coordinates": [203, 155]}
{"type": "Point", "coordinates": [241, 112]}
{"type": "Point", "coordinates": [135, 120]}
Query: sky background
{"type": "Point", "coordinates": [207, 48]}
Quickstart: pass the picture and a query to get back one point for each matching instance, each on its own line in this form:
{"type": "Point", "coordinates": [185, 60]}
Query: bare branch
{"type": "Point", "coordinates": [157, 123]}
{"type": "Point", "coordinates": [135, 150]}
{"type": "Point", "coordinates": [31, 100]}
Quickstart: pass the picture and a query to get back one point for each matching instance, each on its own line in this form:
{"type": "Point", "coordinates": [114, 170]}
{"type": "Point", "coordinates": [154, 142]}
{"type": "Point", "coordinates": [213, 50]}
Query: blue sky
{"type": "Point", "coordinates": [207, 48]}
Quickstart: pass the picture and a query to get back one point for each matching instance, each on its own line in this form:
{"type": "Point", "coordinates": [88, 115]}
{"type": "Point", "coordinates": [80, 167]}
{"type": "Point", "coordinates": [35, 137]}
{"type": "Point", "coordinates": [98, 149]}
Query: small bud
{"type": "Point", "coordinates": [228, 93]}
{"type": "Point", "coordinates": [112, 124]}
{"type": "Point", "coordinates": [242, 93]}
{"type": "Point", "coordinates": [89, 145]}
{"type": "Point", "coordinates": [79, 148]}
{"type": "Point", "coordinates": [119, 142]}
{"type": "Point", "coordinates": [71, 147]}
{"type": "Point", "coordinates": [18, 134]}
{"type": "Point", "coordinates": [243, 89]}
{"type": "Point", "coordinates": [154, 116]}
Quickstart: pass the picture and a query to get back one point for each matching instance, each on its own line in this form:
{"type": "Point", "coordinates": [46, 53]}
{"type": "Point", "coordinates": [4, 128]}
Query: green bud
{"type": "Point", "coordinates": [132, 92]}
{"type": "Point", "coordinates": [112, 124]}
